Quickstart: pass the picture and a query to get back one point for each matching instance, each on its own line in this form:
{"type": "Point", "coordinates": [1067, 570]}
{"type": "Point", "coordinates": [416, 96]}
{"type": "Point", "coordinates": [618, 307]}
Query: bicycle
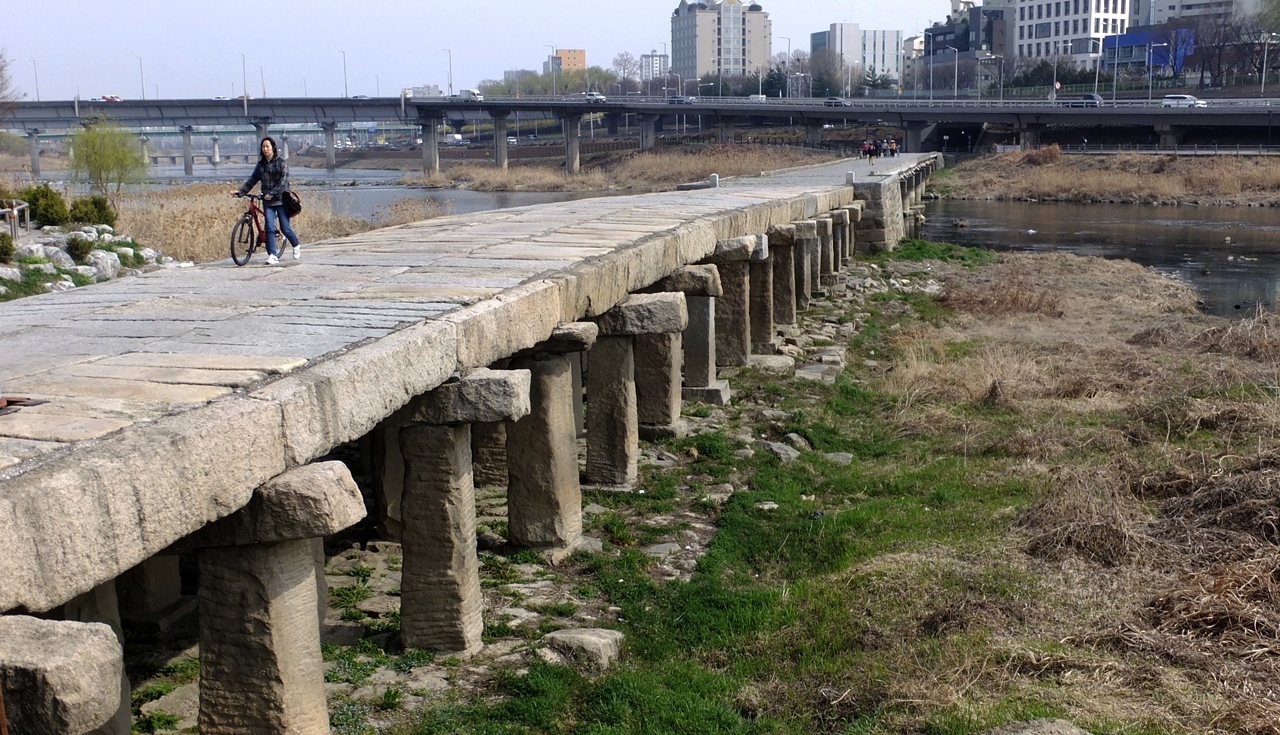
{"type": "Point", "coordinates": [248, 233]}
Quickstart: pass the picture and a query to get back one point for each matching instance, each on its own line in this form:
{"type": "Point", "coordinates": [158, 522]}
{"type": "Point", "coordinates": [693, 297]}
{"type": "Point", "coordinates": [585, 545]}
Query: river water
{"type": "Point", "coordinates": [1230, 255]}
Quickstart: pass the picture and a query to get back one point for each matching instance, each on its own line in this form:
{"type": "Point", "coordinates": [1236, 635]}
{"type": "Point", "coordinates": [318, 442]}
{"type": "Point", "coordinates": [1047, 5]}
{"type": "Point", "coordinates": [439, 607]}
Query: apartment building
{"type": "Point", "coordinates": [876, 51]}
{"type": "Point", "coordinates": [654, 65]}
{"type": "Point", "coordinates": [565, 59]}
{"type": "Point", "coordinates": [1073, 29]}
{"type": "Point", "coordinates": [1163, 11]}
{"type": "Point", "coordinates": [720, 37]}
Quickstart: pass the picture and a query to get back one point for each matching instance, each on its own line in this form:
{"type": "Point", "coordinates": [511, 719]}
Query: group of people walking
{"type": "Point", "coordinates": [872, 148]}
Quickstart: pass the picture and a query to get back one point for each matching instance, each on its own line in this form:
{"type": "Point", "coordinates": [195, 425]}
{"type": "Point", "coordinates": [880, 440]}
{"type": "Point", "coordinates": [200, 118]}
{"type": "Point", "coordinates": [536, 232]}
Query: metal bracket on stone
{"type": "Point", "coordinates": [307, 502]}
{"type": "Point", "coordinates": [651, 313]}
{"type": "Point", "coordinates": [58, 677]}
{"type": "Point", "coordinates": [565, 339]}
{"type": "Point", "coordinates": [484, 396]}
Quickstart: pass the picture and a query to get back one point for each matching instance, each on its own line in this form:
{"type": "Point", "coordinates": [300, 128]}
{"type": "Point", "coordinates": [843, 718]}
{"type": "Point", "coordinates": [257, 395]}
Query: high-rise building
{"type": "Point", "coordinates": [1162, 11]}
{"type": "Point", "coordinates": [654, 65]}
{"type": "Point", "coordinates": [720, 37]}
{"type": "Point", "coordinates": [1071, 29]}
{"type": "Point", "coordinates": [875, 51]}
{"type": "Point", "coordinates": [566, 59]}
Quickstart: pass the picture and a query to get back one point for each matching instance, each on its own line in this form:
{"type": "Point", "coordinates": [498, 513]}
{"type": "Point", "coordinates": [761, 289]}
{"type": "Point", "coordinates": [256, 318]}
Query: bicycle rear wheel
{"type": "Point", "coordinates": [243, 241]}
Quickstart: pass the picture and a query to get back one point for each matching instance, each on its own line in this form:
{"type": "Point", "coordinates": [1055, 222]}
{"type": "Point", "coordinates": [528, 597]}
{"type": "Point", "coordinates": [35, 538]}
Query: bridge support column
{"type": "Point", "coordinates": [263, 127]}
{"type": "Point", "coordinates": [572, 137]}
{"type": "Point", "coordinates": [806, 262]}
{"type": "Point", "coordinates": [782, 251]}
{"type": "Point", "coordinates": [1170, 135]}
{"type": "Point", "coordinates": [612, 405]}
{"type": "Point", "coordinates": [260, 663]}
{"type": "Point", "coordinates": [544, 497]}
{"type": "Point", "coordinates": [330, 145]}
{"type": "Point", "coordinates": [763, 335]}
{"type": "Point", "coordinates": [611, 122]}
{"type": "Point", "coordinates": [216, 158]}
{"type": "Point", "coordinates": [727, 125]}
{"type": "Point", "coordinates": [840, 232]}
{"type": "Point", "coordinates": [500, 139]}
{"type": "Point", "coordinates": [188, 157]}
{"type": "Point", "coordinates": [733, 312]}
{"type": "Point", "coordinates": [659, 361]}
{"type": "Point", "coordinates": [648, 137]}
{"type": "Point", "coordinates": [284, 147]}
{"type": "Point", "coordinates": [855, 215]}
{"type": "Point", "coordinates": [489, 454]}
{"type": "Point", "coordinates": [441, 604]}
{"type": "Point", "coordinates": [915, 135]}
{"type": "Point", "coordinates": [430, 144]}
{"type": "Point", "coordinates": [1030, 134]}
{"type": "Point", "coordinates": [33, 141]}
{"type": "Point", "coordinates": [826, 251]}
{"type": "Point", "coordinates": [813, 135]}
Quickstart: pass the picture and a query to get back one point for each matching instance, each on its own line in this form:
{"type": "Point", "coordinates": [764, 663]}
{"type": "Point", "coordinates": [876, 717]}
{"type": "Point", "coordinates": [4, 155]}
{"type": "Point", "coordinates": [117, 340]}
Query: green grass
{"type": "Point", "coordinates": [921, 250]}
{"type": "Point", "coordinates": [155, 722]}
{"type": "Point", "coordinates": [346, 598]}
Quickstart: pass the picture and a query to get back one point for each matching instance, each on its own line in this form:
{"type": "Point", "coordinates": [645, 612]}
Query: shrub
{"type": "Point", "coordinates": [6, 247]}
{"type": "Point", "coordinates": [94, 210]}
{"type": "Point", "coordinates": [47, 206]}
{"type": "Point", "coordinates": [79, 248]}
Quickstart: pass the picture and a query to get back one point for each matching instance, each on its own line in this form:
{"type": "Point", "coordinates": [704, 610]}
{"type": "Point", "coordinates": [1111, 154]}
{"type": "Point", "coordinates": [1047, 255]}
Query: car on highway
{"type": "Point", "coordinates": [111, 98]}
{"type": "Point", "coordinates": [1084, 100]}
{"type": "Point", "coordinates": [837, 102]}
{"type": "Point", "coordinates": [512, 140]}
{"type": "Point", "coordinates": [594, 97]}
{"type": "Point", "coordinates": [679, 100]}
{"type": "Point", "coordinates": [757, 98]}
{"type": "Point", "coordinates": [359, 96]}
{"type": "Point", "coordinates": [1182, 100]}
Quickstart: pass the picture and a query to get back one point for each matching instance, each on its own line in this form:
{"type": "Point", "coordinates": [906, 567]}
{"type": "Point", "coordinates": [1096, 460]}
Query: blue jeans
{"type": "Point", "coordinates": [271, 213]}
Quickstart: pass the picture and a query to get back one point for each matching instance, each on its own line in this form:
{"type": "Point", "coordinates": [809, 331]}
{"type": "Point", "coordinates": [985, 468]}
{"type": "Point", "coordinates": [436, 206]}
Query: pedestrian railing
{"type": "Point", "coordinates": [1195, 149]}
{"type": "Point", "coordinates": [16, 212]}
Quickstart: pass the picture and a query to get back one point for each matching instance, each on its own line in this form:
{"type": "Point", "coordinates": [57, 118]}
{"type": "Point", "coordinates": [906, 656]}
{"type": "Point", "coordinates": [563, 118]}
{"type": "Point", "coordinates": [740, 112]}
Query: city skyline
{"type": "Point", "coordinates": [184, 52]}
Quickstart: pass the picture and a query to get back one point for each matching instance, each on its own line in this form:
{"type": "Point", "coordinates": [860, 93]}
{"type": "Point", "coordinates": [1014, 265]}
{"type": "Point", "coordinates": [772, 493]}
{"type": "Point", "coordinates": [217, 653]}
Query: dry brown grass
{"type": "Point", "coordinates": [1130, 178]}
{"type": "Point", "coordinates": [650, 171]}
{"type": "Point", "coordinates": [194, 222]}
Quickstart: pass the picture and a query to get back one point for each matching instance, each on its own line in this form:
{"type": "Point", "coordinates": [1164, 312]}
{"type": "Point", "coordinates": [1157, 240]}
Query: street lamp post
{"type": "Point", "coordinates": [141, 79]}
{"type": "Point", "coordinates": [244, 85]}
{"type": "Point", "coordinates": [955, 82]}
{"type": "Point", "coordinates": [1150, 47]}
{"type": "Point", "coordinates": [450, 53]}
{"type": "Point", "coordinates": [36, 73]}
{"type": "Point", "coordinates": [664, 73]}
{"type": "Point", "coordinates": [929, 48]}
{"type": "Point", "coordinates": [786, 65]}
{"type": "Point", "coordinates": [346, 92]}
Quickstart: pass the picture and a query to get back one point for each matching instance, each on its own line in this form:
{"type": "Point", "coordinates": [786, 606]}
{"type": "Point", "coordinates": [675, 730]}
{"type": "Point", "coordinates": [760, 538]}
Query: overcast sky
{"type": "Point", "coordinates": [189, 51]}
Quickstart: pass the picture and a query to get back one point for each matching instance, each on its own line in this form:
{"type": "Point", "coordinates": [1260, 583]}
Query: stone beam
{"type": "Point", "coordinates": [58, 677]}
{"type": "Point", "coordinates": [693, 280]}
{"type": "Point", "coordinates": [483, 396]}
{"type": "Point", "coordinates": [565, 339]}
{"type": "Point", "coordinates": [654, 313]}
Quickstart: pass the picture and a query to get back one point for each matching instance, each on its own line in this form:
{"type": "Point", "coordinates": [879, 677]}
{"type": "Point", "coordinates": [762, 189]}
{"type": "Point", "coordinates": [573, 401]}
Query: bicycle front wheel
{"type": "Point", "coordinates": [243, 241]}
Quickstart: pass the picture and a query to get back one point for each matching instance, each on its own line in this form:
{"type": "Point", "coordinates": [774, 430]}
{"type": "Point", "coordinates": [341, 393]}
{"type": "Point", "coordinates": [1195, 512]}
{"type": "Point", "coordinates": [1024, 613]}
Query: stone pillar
{"type": "Point", "coordinates": [1030, 134]}
{"type": "Point", "coordinates": [647, 135]}
{"type": "Point", "coordinates": [100, 605]}
{"type": "Point", "coordinates": [733, 317]}
{"type": "Point", "coordinates": [430, 144]}
{"type": "Point", "coordinates": [59, 676]}
{"type": "Point", "coordinates": [330, 145]}
{"type": "Point", "coordinates": [1170, 135]}
{"type": "Point", "coordinates": [806, 252]}
{"type": "Point", "coordinates": [489, 454]}
{"type": "Point", "coordinates": [579, 405]}
{"type": "Point", "coordinates": [441, 605]}
{"type": "Point", "coordinates": [572, 156]}
{"type": "Point", "coordinates": [263, 128]}
{"type": "Point", "coordinates": [659, 360]}
{"type": "Point", "coordinates": [260, 664]}
{"type": "Point", "coordinates": [33, 141]}
{"type": "Point", "coordinates": [284, 147]}
{"type": "Point", "coordinates": [544, 499]}
{"type": "Point", "coordinates": [188, 158]}
{"type": "Point", "coordinates": [216, 159]}
{"type": "Point", "coordinates": [813, 135]}
{"type": "Point", "coordinates": [701, 286]}
{"type": "Point", "coordinates": [611, 123]}
{"type": "Point", "coordinates": [826, 253]}
{"type": "Point", "coordinates": [855, 216]}
{"type": "Point", "coordinates": [782, 253]}
{"type": "Point", "coordinates": [727, 125]}
{"type": "Point", "coordinates": [612, 412]}
{"type": "Point", "coordinates": [763, 338]}
{"type": "Point", "coordinates": [500, 139]}
{"type": "Point", "coordinates": [840, 220]}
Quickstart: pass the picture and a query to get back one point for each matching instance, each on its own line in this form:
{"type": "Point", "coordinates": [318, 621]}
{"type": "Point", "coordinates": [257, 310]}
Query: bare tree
{"type": "Point", "coordinates": [626, 66]}
{"type": "Point", "coordinates": [8, 95]}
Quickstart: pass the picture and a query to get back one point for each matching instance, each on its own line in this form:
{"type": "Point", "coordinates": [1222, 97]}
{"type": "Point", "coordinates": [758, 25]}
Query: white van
{"type": "Point", "coordinates": [470, 95]}
{"type": "Point", "coordinates": [757, 98]}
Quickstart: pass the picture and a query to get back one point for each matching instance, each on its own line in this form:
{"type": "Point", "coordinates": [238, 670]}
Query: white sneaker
{"type": "Point", "coordinates": [297, 252]}
{"type": "Point", "coordinates": [272, 260]}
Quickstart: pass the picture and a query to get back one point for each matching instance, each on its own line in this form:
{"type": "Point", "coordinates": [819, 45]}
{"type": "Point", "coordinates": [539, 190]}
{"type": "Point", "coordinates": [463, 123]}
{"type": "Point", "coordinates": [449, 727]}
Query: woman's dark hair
{"type": "Point", "coordinates": [275, 149]}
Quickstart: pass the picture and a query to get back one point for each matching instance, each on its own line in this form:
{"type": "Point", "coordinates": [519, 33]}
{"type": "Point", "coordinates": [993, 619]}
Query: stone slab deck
{"type": "Point", "coordinates": [172, 395]}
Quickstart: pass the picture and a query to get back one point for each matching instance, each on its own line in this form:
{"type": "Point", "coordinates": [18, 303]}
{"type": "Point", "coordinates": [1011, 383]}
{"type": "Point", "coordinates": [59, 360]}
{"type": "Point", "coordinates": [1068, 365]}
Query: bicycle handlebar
{"type": "Point", "coordinates": [247, 196]}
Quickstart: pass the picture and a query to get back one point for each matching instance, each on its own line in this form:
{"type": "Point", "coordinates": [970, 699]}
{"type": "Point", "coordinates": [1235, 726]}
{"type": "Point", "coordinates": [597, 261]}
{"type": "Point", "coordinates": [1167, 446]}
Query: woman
{"type": "Point", "coordinates": [273, 174]}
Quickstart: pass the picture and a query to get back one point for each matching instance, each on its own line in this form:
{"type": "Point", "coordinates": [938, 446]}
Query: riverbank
{"type": "Point", "coordinates": [1048, 175]}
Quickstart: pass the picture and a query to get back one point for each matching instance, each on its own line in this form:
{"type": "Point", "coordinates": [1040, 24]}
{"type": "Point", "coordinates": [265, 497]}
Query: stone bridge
{"type": "Point", "coordinates": [191, 414]}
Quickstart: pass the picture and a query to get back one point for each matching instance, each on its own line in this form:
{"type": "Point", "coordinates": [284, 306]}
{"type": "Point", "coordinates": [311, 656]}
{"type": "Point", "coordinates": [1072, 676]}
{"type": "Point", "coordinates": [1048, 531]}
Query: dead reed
{"type": "Point", "coordinates": [194, 222]}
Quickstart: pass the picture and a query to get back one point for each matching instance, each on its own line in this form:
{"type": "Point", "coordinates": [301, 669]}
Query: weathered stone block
{"type": "Point", "coordinates": [514, 320]}
{"type": "Point", "coordinates": [483, 396]}
{"type": "Point", "coordinates": [598, 646]}
{"type": "Point", "coordinates": [693, 280]}
{"type": "Point", "coordinates": [612, 434]}
{"type": "Point", "coordinates": [655, 313]}
{"type": "Point", "coordinates": [733, 315]}
{"type": "Point", "coordinates": [489, 454]}
{"type": "Point", "coordinates": [58, 677]}
{"type": "Point", "coordinates": [566, 338]}
{"type": "Point", "coordinates": [699, 342]}
{"type": "Point", "coordinates": [544, 499]}
{"type": "Point", "coordinates": [659, 358]}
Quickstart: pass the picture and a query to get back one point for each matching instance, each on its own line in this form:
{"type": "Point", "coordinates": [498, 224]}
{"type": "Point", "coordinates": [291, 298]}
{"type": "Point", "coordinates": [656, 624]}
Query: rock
{"type": "Point", "coordinates": [745, 453]}
{"type": "Point", "coordinates": [3, 291]}
{"type": "Point", "coordinates": [483, 396]}
{"type": "Point", "coordinates": [767, 505]}
{"type": "Point", "coordinates": [183, 701]}
{"type": "Point", "coordinates": [599, 646]}
{"type": "Point", "coordinates": [820, 373]}
{"type": "Point", "coordinates": [59, 258]}
{"type": "Point", "coordinates": [58, 286]}
{"type": "Point", "coordinates": [125, 253]}
{"type": "Point", "coordinates": [1037, 727]}
{"type": "Point", "coordinates": [489, 541]}
{"type": "Point", "coordinates": [69, 675]}
{"type": "Point", "coordinates": [10, 274]}
{"type": "Point", "coordinates": [781, 451]}
{"type": "Point", "coordinates": [773, 364]}
{"type": "Point", "coordinates": [519, 615]}
{"type": "Point", "coordinates": [379, 606]}
{"type": "Point", "coordinates": [149, 256]}
{"type": "Point", "coordinates": [551, 657]}
{"type": "Point", "coordinates": [30, 250]}
{"type": "Point", "coordinates": [694, 280]}
{"type": "Point", "coordinates": [655, 313]}
{"type": "Point", "coordinates": [385, 547]}
{"type": "Point", "coordinates": [831, 356]}
{"type": "Point", "coordinates": [87, 271]}
{"type": "Point", "coordinates": [661, 550]}
{"type": "Point", "coordinates": [799, 442]}
{"type": "Point", "coordinates": [717, 498]}
{"type": "Point", "coordinates": [773, 414]}
{"type": "Point", "coordinates": [568, 338]}
{"type": "Point", "coordinates": [89, 231]}
{"type": "Point", "coordinates": [841, 458]}
{"type": "Point", "coordinates": [593, 508]}
{"type": "Point", "coordinates": [105, 263]}
{"type": "Point", "coordinates": [107, 229]}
